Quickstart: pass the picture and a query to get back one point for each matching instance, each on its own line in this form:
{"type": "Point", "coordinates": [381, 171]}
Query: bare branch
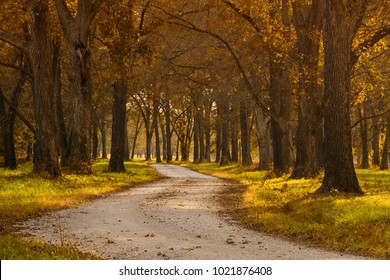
{"type": "Point", "coordinates": [13, 40]}
{"type": "Point", "coordinates": [242, 14]}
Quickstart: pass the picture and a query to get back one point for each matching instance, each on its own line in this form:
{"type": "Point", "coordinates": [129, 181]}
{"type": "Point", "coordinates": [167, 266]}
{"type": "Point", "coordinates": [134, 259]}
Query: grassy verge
{"type": "Point", "coordinates": [24, 195]}
{"type": "Point", "coordinates": [353, 224]}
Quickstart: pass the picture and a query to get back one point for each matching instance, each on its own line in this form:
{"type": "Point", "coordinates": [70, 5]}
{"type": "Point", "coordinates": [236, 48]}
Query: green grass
{"type": "Point", "coordinates": [24, 195]}
{"type": "Point", "coordinates": [353, 224]}
{"type": "Point", "coordinates": [15, 248]}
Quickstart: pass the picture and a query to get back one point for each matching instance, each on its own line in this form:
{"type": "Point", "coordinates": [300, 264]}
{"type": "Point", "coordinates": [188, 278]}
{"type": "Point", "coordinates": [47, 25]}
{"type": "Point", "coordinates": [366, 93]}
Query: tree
{"type": "Point", "coordinates": [308, 22]}
{"type": "Point", "coordinates": [341, 21]}
{"type": "Point", "coordinates": [39, 50]}
{"type": "Point", "coordinates": [77, 29]}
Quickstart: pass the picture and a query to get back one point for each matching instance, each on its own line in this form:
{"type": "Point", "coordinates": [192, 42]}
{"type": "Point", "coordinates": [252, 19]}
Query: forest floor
{"type": "Point", "coordinates": [177, 217]}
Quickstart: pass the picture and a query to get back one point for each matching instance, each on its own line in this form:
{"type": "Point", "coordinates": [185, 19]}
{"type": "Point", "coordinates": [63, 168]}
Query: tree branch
{"type": "Point", "coordinates": [66, 18]}
{"type": "Point", "coordinates": [17, 112]}
{"type": "Point", "coordinates": [368, 43]}
{"type": "Point", "coordinates": [13, 40]}
{"type": "Point", "coordinates": [242, 14]}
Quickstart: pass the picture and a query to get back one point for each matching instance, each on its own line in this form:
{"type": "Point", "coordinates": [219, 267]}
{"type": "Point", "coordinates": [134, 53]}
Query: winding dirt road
{"type": "Point", "coordinates": [172, 218]}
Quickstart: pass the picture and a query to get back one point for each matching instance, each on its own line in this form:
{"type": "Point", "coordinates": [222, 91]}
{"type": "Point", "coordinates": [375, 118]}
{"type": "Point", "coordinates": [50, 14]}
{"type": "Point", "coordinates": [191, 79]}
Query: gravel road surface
{"type": "Point", "coordinates": [176, 217]}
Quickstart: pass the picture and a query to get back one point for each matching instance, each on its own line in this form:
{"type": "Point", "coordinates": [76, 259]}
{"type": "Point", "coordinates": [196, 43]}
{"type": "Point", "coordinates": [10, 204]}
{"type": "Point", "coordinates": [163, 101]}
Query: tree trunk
{"type": "Point", "coordinates": [168, 132]}
{"type": "Point", "coordinates": [225, 155]}
{"type": "Point", "coordinates": [280, 94]}
{"type": "Point", "coordinates": [156, 132]}
{"type": "Point", "coordinates": [138, 126]}
{"type": "Point", "coordinates": [245, 134]}
{"type": "Point", "coordinates": [164, 139]}
{"type": "Point", "coordinates": [196, 138]}
{"type": "Point", "coordinates": [118, 127]}
{"type": "Point", "coordinates": [95, 138]}
{"type": "Point", "coordinates": [386, 146]}
{"type": "Point", "coordinates": [263, 126]}
{"type": "Point", "coordinates": [77, 32]}
{"type": "Point", "coordinates": [40, 56]}
{"type": "Point", "coordinates": [307, 22]}
{"type": "Point", "coordinates": [234, 134]}
{"type": "Point", "coordinates": [339, 30]}
{"type": "Point", "coordinates": [9, 118]}
{"type": "Point", "coordinates": [364, 137]}
{"type": "Point", "coordinates": [207, 134]}
{"type": "Point", "coordinates": [63, 141]}
{"type": "Point", "coordinates": [104, 137]}
{"type": "Point", "coordinates": [126, 148]}
{"type": "Point", "coordinates": [375, 141]}
{"type": "Point", "coordinates": [218, 137]}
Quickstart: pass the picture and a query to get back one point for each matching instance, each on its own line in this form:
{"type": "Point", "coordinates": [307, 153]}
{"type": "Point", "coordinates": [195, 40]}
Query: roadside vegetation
{"type": "Point", "coordinates": [347, 223]}
{"type": "Point", "coordinates": [24, 195]}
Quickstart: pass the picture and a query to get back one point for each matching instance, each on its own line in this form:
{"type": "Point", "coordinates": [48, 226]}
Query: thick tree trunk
{"type": "Point", "coordinates": [339, 30]}
{"type": "Point", "coordinates": [280, 94]}
{"type": "Point", "coordinates": [40, 55]}
{"type": "Point", "coordinates": [118, 127]}
{"type": "Point", "coordinates": [280, 97]}
{"type": "Point", "coordinates": [307, 22]}
{"type": "Point", "coordinates": [263, 126]}
{"type": "Point", "coordinates": [77, 32]}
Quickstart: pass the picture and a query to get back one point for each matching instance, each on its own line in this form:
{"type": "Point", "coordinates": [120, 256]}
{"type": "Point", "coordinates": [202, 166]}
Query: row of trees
{"type": "Point", "coordinates": [302, 81]}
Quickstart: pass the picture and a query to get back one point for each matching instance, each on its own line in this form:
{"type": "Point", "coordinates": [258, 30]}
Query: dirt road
{"type": "Point", "coordinates": [173, 218]}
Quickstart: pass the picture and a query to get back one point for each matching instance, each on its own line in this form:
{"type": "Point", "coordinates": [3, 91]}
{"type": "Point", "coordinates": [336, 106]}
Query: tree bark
{"type": "Point", "coordinates": [340, 26]}
{"type": "Point", "coordinates": [375, 139]}
{"type": "Point", "coordinates": [63, 141]}
{"type": "Point", "coordinates": [234, 133]}
{"type": "Point", "coordinates": [224, 111]}
{"type": "Point", "coordinates": [307, 22]}
{"type": "Point", "coordinates": [40, 56]}
{"type": "Point", "coordinates": [118, 127]}
{"type": "Point", "coordinates": [156, 132]}
{"type": "Point", "coordinates": [196, 137]}
{"type": "Point", "coordinates": [77, 30]}
{"type": "Point", "coordinates": [104, 137]}
{"type": "Point", "coordinates": [95, 138]}
{"type": "Point", "coordinates": [263, 126]}
{"type": "Point", "coordinates": [364, 137]}
{"type": "Point", "coordinates": [168, 131]}
{"type": "Point", "coordinates": [245, 134]}
{"type": "Point", "coordinates": [386, 145]}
